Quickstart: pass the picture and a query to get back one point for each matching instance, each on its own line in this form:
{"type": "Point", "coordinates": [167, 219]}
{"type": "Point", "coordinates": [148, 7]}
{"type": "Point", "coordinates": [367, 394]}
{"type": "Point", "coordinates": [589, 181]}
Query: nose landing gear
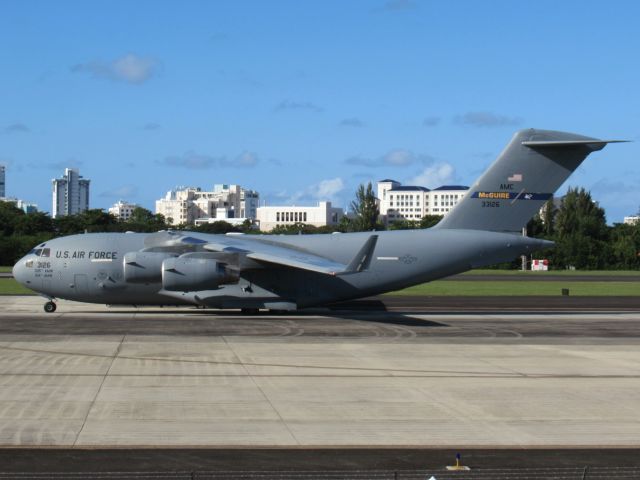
{"type": "Point", "coordinates": [49, 307]}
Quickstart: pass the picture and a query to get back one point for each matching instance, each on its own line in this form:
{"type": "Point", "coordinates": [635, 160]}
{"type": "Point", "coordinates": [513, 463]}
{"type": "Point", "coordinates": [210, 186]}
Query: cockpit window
{"type": "Point", "coordinates": [45, 252]}
{"type": "Point", "coordinates": [37, 252]}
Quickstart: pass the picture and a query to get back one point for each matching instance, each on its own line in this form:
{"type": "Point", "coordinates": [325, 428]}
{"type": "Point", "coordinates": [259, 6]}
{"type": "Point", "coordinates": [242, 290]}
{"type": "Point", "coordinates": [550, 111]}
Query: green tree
{"type": "Point", "coordinates": [548, 218]}
{"type": "Point", "coordinates": [581, 232]}
{"type": "Point", "coordinates": [33, 223]}
{"type": "Point", "coordinates": [93, 220]}
{"type": "Point", "coordinates": [143, 220]}
{"type": "Point", "coordinates": [68, 225]}
{"type": "Point", "coordinates": [293, 229]}
{"type": "Point", "coordinates": [345, 225]}
{"type": "Point", "coordinates": [365, 209]}
{"type": "Point", "coordinates": [403, 225]}
{"type": "Point", "coordinates": [219, 226]}
{"type": "Point", "coordinates": [429, 221]}
{"type": "Point", "coordinates": [10, 215]}
{"type": "Point", "coordinates": [625, 246]}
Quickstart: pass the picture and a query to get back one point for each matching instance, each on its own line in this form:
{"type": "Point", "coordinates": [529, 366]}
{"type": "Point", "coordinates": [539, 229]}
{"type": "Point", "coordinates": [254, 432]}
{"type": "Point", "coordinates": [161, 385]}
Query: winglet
{"type": "Point", "coordinates": [363, 258]}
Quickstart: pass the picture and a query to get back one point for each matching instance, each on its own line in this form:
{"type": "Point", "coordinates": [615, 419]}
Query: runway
{"type": "Point", "coordinates": [89, 376]}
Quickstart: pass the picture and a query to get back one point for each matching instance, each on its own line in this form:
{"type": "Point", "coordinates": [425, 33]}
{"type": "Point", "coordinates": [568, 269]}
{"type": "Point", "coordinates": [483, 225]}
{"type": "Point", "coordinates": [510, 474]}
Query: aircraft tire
{"type": "Point", "coordinates": [50, 307]}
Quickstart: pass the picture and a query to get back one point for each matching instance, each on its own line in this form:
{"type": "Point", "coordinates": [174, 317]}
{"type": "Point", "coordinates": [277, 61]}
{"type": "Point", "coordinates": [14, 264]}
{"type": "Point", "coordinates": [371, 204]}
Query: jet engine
{"type": "Point", "coordinates": [188, 274]}
{"type": "Point", "coordinates": [144, 267]}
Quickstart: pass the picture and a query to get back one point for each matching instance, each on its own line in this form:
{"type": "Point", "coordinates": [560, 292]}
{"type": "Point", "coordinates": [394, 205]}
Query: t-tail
{"type": "Point", "coordinates": [525, 175]}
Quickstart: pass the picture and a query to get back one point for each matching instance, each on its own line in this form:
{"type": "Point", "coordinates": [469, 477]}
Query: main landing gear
{"type": "Point", "coordinates": [50, 307]}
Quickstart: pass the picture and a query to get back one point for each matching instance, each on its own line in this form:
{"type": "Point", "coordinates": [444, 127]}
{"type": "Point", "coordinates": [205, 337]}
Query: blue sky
{"type": "Point", "coordinates": [304, 100]}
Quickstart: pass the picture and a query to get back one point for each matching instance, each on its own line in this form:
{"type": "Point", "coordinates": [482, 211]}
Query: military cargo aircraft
{"type": "Point", "coordinates": [280, 272]}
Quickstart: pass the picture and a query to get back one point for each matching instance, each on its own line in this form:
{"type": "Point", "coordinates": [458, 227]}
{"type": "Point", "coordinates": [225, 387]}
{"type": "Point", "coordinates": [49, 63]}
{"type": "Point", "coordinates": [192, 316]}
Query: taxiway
{"type": "Point", "coordinates": [89, 376]}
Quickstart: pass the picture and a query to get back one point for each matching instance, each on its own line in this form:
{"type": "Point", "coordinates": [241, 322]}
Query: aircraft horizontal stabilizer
{"type": "Point", "coordinates": [593, 144]}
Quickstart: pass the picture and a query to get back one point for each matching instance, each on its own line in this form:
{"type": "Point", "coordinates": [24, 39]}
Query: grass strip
{"type": "Point", "coordinates": [556, 273]}
{"type": "Point", "coordinates": [522, 288]}
{"type": "Point", "coordinates": [8, 286]}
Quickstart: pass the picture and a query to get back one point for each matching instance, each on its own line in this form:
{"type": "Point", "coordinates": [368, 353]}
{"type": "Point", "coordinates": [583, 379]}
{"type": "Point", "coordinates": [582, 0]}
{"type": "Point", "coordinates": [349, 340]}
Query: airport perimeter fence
{"type": "Point", "coordinates": [560, 473]}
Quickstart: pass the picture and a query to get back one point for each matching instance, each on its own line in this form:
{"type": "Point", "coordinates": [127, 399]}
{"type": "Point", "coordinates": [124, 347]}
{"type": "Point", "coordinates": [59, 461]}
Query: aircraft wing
{"type": "Point", "coordinates": [289, 256]}
{"type": "Point", "coordinates": [263, 251]}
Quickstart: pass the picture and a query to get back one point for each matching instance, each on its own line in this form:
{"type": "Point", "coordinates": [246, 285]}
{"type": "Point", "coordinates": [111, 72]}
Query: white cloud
{"type": "Point", "coordinates": [398, 157]}
{"type": "Point", "coordinates": [397, 5]}
{"type": "Point", "coordinates": [16, 128]}
{"type": "Point", "coordinates": [329, 188]}
{"type": "Point", "coordinates": [352, 122]}
{"type": "Point", "coordinates": [190, 160]}
{"type": "Point", "coordinates": [126, 191]}
{"type": "Point", "coordinates": [486, 119]}
{"type": "Point", "coordinates": [130, 68]}
{"type": "Point", "coordinates": [431, 121]}
{"type": "Point", "coordinates": [196, 161]}
{"type": "Point", "coordinates": [325, 190]}
{"type": "Point", "coordinates": [245, 159]}
{"type": "Point", "coordinates": [434, 176]}
{"type": "Point", "coordinates": [291, 105]}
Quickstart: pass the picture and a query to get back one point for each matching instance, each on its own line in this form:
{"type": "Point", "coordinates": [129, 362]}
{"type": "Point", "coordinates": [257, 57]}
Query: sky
{"type": "Point", "coordinates": [305, 100]}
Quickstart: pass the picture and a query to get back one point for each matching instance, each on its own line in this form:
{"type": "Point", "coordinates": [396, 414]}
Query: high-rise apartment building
{"type": "Point", "coordinates": [185, 205]}
{"type": "Point", "coordinates": [70, 194]}
{"type": "Point", "coordinates": [3, 192]}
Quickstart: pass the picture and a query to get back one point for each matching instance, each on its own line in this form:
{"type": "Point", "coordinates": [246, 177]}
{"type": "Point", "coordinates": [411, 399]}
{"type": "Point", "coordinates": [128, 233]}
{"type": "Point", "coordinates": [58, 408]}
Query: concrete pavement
{"type": "Point", "coordinates": [88, 376]}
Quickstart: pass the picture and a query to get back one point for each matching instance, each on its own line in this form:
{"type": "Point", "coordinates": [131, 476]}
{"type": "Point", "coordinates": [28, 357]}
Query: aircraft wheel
{"type": "Point", "coordinates": [49, 307]}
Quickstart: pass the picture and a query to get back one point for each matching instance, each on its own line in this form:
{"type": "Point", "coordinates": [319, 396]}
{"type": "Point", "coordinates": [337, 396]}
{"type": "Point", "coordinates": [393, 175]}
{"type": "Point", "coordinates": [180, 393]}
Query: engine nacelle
{"type": "Point", "coordinates": [188, 274]}
{"type": "Point", "coordinates": [144, 267]}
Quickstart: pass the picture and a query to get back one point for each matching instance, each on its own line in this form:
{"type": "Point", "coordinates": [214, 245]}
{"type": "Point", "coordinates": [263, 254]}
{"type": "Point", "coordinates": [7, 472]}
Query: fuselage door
{"type": "Point", "coordinates": [80, 284]}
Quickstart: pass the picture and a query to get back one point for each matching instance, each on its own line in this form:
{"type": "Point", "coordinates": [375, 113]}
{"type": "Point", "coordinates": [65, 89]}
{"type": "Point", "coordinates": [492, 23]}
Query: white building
{"type": "Point", "coordinates": [3, 191]}
{"type": "Point", "coordinates": [122, 210]}
{"type": "Point", "coordinates": [318, 216]}
{"type": "Point", "coordinates": [221, 216]}
{"type": "Point", "coordinates": [403, 202]}
{"type": "Point", "coordinates": [70, 194]}
{"type": "Point", "coordinates": [632, 220]}
{"type": "Point", "coordinates": [185, 205]}
{"type": "Point", "coordinates": [26, 207]}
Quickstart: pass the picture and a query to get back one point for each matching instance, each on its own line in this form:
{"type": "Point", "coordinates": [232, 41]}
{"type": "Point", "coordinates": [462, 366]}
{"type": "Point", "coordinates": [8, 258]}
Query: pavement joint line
{"type": "Point", "coordinates": [273, 365]}
{"type": "Point", "coordinates": [95, 397]}
{"type": "Point", "coordinates": [418, 373]}
{"type": "Point", "coordinates": [266, 397]}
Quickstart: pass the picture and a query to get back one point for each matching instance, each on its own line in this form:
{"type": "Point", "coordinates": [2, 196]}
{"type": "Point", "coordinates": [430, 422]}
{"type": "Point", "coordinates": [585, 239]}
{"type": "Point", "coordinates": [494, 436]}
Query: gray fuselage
{"type": "Point", "coordinates": [89, 267]}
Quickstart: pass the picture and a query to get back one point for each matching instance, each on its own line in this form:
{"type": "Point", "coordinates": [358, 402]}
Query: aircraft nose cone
{"type": "Point", "coordinates": [18, 272]}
